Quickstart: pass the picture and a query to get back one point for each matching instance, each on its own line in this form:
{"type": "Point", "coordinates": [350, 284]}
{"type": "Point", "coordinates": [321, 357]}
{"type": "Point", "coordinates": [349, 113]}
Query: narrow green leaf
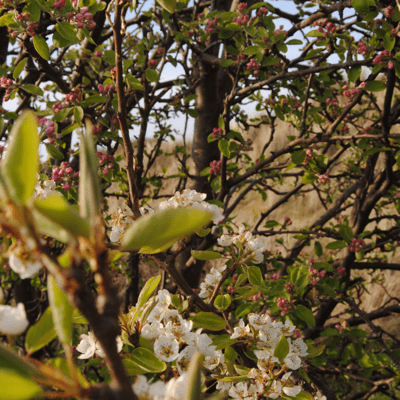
{"type": "Point", "coordinates": [41, 334]}
{"type": "Point", "coordinates": [161, 228]}
{"type": "Point", "coordinates": [305, 315]}
{"type": "Point", "coordinates": [304, 396]}
{"type": "Point", "coordinates": [32, 89]}
{"type": "Point", "coordinates": [193, 385]}
{"type": "Point", "coordinates": [94, 99]}
{"type": "Point", "coordinates": [17, 387]}
{"type": "Point", "coordinates": [282, 348]}
{"type": "Point", "coordinates": [205, 255]}
{"type": "Point", "coordinates": [47, 227]}
{"type": "Point", "coordinates": [41, 47]}
{"type": "Point", "coordinates": [57, 209]}
{"type": "Point", "coordinates": [54, 152]}
{"type": "Point", "coordinates": [135, 83]}
{"type": "Point", "coordinates": [89, 189]}
{"type": "Point", "coordinates": [19, 166]}
{"type": "Point", "coordinates": [336, 245]}
{"type": "Point", "coordinates": [318, 249]}
{"type": "Point", "coordinates": [61, 310]}
{"type": "Point", "coordinates": [147, 291]}
{"type": "Point", "coordinates": [209, 320]}
{"type": "Point", "coordinates": [19, 68]}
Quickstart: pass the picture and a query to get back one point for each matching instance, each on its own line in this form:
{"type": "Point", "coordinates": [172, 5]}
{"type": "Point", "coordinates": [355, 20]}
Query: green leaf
{"type": "Point", "coordinates": [271, 224]}
{"type": "Point", "coordinates": [135, 83]}
{"type": "Point", "coordinates": [78, 114]}
{"type": "Point", "coordinates": [336, 245]}
{"type": "Point", "coordinates": [7, 19]}
{"type": "Point", "coordinates": [32, 89]}
{"type": "Point", "coordinates": [89, 188]}
{"type": "Point", "coordinates": [315, 33]}
{"type": "Point", "coordinates": [312, 53]}
{"type": "Point", "coordinates": [308, 178]}
{"type": "Point", "coordinates": [193, 385]}
{"type": "Point", "coordinates": [54, 152]}
{"type": "Point", "coordinates": [354, 74]}
{"type": "Point", "coordinates": [41, 334]}
{"type": "Point", "coordinates": [389, 41]}
{"type": "Point", "coordinates": [161, 228]}
{"type": "Point", "coordinates": [66, 30]}
{"type": "Point", "coordinates": [17, 387]}
{"type": "Point", "coordinates": [294, 42]}
{"type": "Point", "coordinates": [226, 63]}
{"type": "Point", "coordinates": [223, 146]}
{"type": "Point", "coordinates": [152, 75]}
{"type": "Point", "coordinates": [147, 291]}
{"type": "Point", "coordinates": [305, 315]}
{"type": "Point", "coordinates": [205, 255]}
{"type": "Point", "coordinates": [109, 57]}
{"type": "Point", "coordinates": [41, 47]}
{"type": "Point", "coordinates": [252, 50]}
{"type": "Point", "coordinates": [19, 68]}
{"type": "Point", "coordinates": [57, 209]}
{"type": "Point", "coordinates": [94, 99]}
{"type": "Point", "coordinates": [60, 41]}
{"type": "Point", "coordinates": [375, 86]}
{"type": "Point", "coordinates": [299, 156]}
{"type": "Point", "coordinates": [47, 227]}
{"type": "Point", "coordinates": [282, 348]}
{"type": "Point", "coordinates": [209, 320]}
{"type": "Point", "coordinates": [19, 166]}
{"type": "Point", "coordinates": [223, 341]}
{"type": "Point", "coordinates": [346, 233]}
{"type": "Point", "coordinates": [168, 5]}
{"type": "Point", "coordinates": [255, 276]}
{"type": "Point", "coordinates": [222, 302]}
{"type": "Point", "coordinates": [304, 396]}
{"type": "Point", "coordinates": [318, 249]}
{"type": "Point", "coordinates": [361, 6]}
{"type": "Point", "coordinates": [143, 361]}
{"type": "Point", "coordinates": [61, 310]}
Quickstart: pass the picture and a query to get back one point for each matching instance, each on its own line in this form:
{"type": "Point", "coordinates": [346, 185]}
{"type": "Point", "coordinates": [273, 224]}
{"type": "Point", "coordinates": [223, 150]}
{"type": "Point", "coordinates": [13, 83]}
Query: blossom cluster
{"type": "Point", "coordinates": [191, 199]}
{"type": "Point", "coordinates": [175, 342]}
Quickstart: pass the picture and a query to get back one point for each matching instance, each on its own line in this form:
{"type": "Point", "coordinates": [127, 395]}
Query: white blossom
{"type": "Point", "coordinates": [176, 387]}
{"type": "Point", "coordinates": [293, 361]}
{"type": "Point", "coordinates": [184, 358]}
{"type": "Point", "coordinates": [152, 331]}
{"type": "Point", "coordinates": [276, 390]}
{"type": "Point", "coordinates": [239, 391]}
{"type": "Point", "coordinates": [157, 390]}
{"type": "Point", "coordinates": [166, 348]}
{"type": "Point", "coordinates": [89, 345]}
{"type": "Point", "coordinates": [13, 320]}
{"type": "Point", "coordinates": [45, 189]}
{"type": "Point", "coordinates": [225, 240]}
{"type": "Point", "coordinates": [141, 388]}
{"type": "Point", "coordinates": [241, 330]}
{"type": "Point", "coordinates": [212, 361]}
{"type": "Point", "coordinates": [298, 347]}
{"type": "Point", "coordinates": [25, 267]}
{"type": "Point", "coordinates": [292, 391]}
{"type": "Point", "coordinates": [260, 321]}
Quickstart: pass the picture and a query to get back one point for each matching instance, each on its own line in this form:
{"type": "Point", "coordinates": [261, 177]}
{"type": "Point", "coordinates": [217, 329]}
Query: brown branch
{"type": "Point", "coordinates": [122, 112]}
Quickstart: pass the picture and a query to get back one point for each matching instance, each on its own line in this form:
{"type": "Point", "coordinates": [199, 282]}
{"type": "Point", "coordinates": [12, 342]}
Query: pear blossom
{"type": "Point", "coordinates": [158, 390]}
{"type": "Point", "coordinates": [166, 348]}
{"type": "Point", "coordinates": [298, 347]}
{"type": "Point", "coordinates": [241, 331]}
{"type": "Point", "coordinates": [184, 358]}
{"type": "Point", "coordinates": [152, 331]}
{"type": "Point", "coordinates": [276, 390]}
{"type": "Point", "coordinates": [293, 361]}
{"type": "Point", "coordinates": [141, 387]}
{"type": "Point", "coordinates": [13, 320]}
{"type": "Point", "coordinates": [22, 265]}
{"type": "Point", "coordinates": [45, 189]}
{"type": "Point", "coordinates": [211, 361]}
{"type": "Point", "coordinates": [292, 391]}
{"type": "Point", "coordinates": [175, 389]}
{"type": "Point", "coordinates": [89, 346]}
{"type": "Point", "coordinates": [225, 240]}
